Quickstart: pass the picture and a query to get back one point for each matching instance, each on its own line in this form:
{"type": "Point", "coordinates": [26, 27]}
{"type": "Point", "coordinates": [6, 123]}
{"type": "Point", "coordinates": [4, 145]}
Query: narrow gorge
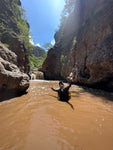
{"type": "Point", "coordinates": [83, 47]}
{"type": "Point", "coordinates": [31, 115]}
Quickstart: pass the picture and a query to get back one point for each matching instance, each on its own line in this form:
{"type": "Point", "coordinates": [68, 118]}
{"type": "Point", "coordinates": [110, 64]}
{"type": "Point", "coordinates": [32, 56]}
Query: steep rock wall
{"type": "Point", "coordinates": [12, 80]}
{"type": "Point", "coordinates": [14, 63]}
{"type": "Point", "coordinates": [10, 34]}
{"type": "Point", "coordinates": [86, 47]}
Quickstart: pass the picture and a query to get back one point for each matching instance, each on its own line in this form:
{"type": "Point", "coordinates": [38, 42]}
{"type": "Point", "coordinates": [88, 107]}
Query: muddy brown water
{"type": "Point", "coordinates": [38, 121]}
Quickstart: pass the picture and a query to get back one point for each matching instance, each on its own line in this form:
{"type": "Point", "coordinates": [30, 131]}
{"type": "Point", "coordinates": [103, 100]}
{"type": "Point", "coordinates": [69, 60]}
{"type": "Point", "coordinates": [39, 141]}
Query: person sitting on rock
{"type": "Point", "coordinates": [63, 92]}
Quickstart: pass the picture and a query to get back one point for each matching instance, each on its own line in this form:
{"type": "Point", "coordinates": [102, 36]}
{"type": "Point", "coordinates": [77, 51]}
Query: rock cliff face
{"type": "Point", "coordinates": [12, 80]}
{"type": "Point", "coordinates": [85, 49]}
{"type": "Point", "coordinates": [10, 34]}
{"type": "Point", "coordinates": [14, 61]}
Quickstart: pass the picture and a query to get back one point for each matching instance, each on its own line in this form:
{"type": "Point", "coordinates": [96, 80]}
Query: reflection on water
{"type": "Point", "coordinates": [38, 121]}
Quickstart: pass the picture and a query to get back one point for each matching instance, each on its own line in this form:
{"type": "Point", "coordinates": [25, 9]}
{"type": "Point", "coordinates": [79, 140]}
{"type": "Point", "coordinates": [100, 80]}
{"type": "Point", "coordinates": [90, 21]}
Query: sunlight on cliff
{"type": "Point", "coordinates": [58, 5]}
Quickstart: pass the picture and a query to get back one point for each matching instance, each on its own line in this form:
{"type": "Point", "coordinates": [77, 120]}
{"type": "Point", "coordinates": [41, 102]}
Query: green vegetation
{"type": "Point", "coordinates": [18, 24]}
{"type": "Point", "coordinates": [37, 57]}
{"type": "Point", "coordinates": [36, 54]}
{"type": "Point", "coordinates": [38, 51]}
{"type": "Point", "coordinates": [6, 45]}
{"type": "Point", "coordinates": [63, 59]}
{"type": "Point", "coordinates": [2, 26]}
{"type": "Point", "coordinates": [68, 7]}
{"type": "Point", "coordinates": [74, 41]}
{"type": "Point", "coordinates": [20, 18]}
{"type": "Point", "coordinates": [36, 62]}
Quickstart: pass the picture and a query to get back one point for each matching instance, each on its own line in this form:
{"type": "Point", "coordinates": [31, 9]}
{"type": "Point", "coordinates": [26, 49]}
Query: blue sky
{"type": "Point", "coordinates": [44, 18]}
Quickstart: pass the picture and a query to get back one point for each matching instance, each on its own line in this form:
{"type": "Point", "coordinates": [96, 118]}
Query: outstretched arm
{"type": "Point", "coordinates": [67, 88]}
{"type": "Point", "coordinates": [54, 90]}
{"type": "Point", "coordinates": [69, 84]}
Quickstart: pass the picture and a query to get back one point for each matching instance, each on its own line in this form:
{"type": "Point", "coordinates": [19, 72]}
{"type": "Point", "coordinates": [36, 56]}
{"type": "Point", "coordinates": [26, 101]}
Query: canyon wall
{"type": "Point", "coordinates": [12, 81]}
{"type": "Point", "coordinates": [14, 62]}
{"type": "Point", "coordinates": [10, 33]}
{"type": "Point", "coordinates": [84, 47]}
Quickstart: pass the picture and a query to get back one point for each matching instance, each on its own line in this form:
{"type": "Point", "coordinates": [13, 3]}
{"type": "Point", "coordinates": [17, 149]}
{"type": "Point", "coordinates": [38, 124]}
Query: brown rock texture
{"type": "Point", "coordinates": [39, 75]}
{"type": "Point", "coordinates": [16, 45]}
{"type": "Point", "coordinates": [14, 62]}
{"type": "Point", "coordinates": [12, 80]}
{"type": "Point", "coordinates": [10, 34]}
{"type": "Point", "coordinates": [85, 49]}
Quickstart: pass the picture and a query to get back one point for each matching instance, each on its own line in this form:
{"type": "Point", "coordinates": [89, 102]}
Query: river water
{"type": "Point", "coordinates": [38, 121]}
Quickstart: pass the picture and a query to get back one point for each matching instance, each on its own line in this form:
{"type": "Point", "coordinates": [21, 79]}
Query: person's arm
{"type": "Point", "coordinates": [67, 88]}
{"type": "Point", "coordinates": [54, 90]}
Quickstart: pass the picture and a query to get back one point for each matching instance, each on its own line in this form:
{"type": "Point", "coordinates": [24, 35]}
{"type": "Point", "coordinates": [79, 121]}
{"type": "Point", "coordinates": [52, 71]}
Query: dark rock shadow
{"type": "Point", "coordinates": [105, 95]}
{"type": "Point", "coordinates": [100, 93]}
{"type": "Point", "coordinates": [76, 93]}
{"type": "Point", "coordinates": [9, 94]}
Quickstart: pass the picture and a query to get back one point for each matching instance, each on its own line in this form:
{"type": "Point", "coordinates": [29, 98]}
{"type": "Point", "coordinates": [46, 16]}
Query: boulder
{"type": "Point", "coordinates": [12, 80]}
{"type": "Point", "coordinates": [36, 75]}
{"type": "Point", "coordinates": [39, 75]}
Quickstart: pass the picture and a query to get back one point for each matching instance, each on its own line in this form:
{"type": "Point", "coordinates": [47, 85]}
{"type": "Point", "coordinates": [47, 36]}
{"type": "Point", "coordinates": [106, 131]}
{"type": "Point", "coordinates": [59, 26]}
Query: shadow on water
{"type": "Point", "coordinates": [53, 96]}
{"type": "Point", "coordinates": [76, 93]}
{"type": "Point", "coordinates": [100, 93]}
{"type": "Point", "coordinates": [64, 101]}
{"type": "Point", "coordinates": [9, 94]}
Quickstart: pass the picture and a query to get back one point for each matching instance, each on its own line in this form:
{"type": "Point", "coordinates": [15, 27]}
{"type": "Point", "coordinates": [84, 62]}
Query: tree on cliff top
{"type": "Point", "coordinates": [38, 51]}
{"type": "Point", "coordinates": [68, 7]}
{"type": "Point", "coordinates": [21, 20]}
{"type": "Point", "coordinates": [37, 57]}
{"type": "Point", "coordinates": [48, 46]}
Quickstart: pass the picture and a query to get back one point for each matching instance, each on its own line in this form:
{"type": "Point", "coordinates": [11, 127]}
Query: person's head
{"type": "Point", "coordinates": [61, 84]}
